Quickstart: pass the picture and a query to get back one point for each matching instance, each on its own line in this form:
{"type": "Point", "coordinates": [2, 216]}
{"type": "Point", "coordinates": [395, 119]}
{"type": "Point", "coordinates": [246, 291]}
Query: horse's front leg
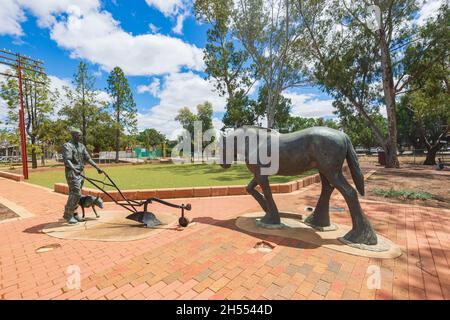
{"type": "Point", "coordinates": [272, 215]}
{"type": "Point", "coordinates": [258, 196]}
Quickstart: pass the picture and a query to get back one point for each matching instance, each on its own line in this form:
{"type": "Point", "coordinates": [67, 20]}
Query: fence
{"type": "Point", "coordinates": [10, 159]}
{"type": "Point", "coordinates": [412, 156]}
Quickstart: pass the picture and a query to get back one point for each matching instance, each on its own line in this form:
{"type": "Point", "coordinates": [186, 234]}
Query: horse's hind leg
{"type": "Point", "coordinates": [362, 231]}
{"type": "Point", "coordinates": [258, 196]}
{"type": "Point", "coordinates": [321, 215]}
{"type": "Point", "coordinates": [272, 215]}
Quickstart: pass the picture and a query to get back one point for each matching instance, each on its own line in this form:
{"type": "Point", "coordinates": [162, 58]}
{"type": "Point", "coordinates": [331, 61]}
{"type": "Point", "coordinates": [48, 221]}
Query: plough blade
{"type": "Point", "coordinates": [145, 217]}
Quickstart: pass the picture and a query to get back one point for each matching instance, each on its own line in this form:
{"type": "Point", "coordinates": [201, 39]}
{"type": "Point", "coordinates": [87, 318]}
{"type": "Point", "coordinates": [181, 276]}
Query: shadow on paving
{"type": "Point", "coordinates": [230, 224]}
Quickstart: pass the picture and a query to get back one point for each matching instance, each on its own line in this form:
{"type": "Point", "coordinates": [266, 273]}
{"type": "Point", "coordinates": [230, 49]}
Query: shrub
{"type": "Point", "coordinates": [402, 194]}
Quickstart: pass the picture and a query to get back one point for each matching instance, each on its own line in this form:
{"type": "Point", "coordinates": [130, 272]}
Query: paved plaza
{"type": "Point", "coordinates": [212, 259]}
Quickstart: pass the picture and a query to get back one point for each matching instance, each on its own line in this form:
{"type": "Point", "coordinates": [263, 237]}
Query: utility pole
{"type": "Point", "coordinates": [19, 62]}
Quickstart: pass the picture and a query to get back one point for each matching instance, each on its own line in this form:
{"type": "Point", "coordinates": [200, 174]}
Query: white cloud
{"type": "Point", "coordinates": [47, 10]}
{"type": "Point", "coordinates": [98, 37]}
{"type": "Point", "coordinates": [429, 9]}
{"type": "Point", "coordinates": [3, 105]}
{"type": "Point", "coordinates": [180, 90]}
{"type": "Point", "coordinates": [3, 112]}
{"type": "Point", "coordinates": [178, 9]}
{"type": "Point", "coordinates": [309, 105]}
{"type": "Point", "coordinates": [153, 88]}
{"type": "Point", "coordinates": [11, 15]}
{"type": "Point", "coordinates": [167, 7]}
{"type": "Point", "coordinates": [89, 32]}
{"type": "Point", "coordinates": [178, 28]}
{"type": "Point", "coordinates": [217, 123]}
{"type": "Point", "coordinates": [153, 28]}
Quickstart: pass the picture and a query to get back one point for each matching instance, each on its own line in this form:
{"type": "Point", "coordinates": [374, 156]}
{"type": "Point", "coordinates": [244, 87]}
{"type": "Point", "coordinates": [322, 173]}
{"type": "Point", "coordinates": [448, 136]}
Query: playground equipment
{"type": "Point", "coordinates": [144, 216]}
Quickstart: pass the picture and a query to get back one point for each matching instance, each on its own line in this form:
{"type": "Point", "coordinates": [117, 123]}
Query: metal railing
{"type": "Point", "coordinates": [10, 159]}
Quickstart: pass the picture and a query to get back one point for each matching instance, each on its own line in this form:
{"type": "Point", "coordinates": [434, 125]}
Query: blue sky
{"type": "Point", "coordinates": [157, 43]}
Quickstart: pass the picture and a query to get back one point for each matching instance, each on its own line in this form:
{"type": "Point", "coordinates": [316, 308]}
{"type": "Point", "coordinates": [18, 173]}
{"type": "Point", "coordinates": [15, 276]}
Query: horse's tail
{"type": "Point", "coordinates": [353, 164]}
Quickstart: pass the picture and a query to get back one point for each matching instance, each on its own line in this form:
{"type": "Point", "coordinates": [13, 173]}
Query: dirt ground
{"type": "Point", "coordinates": [403, 159]}
{"type": "Point", "coordinates": [410, 177]}
{"type": "Point", "coordinates": [6, 213]}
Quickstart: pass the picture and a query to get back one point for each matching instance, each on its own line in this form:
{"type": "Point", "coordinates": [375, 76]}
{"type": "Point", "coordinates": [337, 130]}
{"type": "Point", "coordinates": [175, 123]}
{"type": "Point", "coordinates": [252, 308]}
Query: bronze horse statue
{"type": "Point", "coordinates": [319, 148]}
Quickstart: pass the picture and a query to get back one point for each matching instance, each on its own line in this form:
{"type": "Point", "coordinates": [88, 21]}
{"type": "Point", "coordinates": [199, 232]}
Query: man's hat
{"type": "Point", "coordinates": [75, 130]}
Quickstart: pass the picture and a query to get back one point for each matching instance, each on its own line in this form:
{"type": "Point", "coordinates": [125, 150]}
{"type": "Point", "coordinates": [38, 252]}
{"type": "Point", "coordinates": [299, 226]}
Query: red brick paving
{"type": "Point", "coordinates": [211, 259]}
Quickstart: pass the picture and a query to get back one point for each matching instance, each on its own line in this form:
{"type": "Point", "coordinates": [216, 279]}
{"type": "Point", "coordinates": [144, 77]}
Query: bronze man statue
{"type": "Point", "coordinates": [74, 156]}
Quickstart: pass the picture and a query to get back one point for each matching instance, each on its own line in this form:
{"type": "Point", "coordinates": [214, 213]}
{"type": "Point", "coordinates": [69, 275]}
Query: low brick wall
{"type": "Point", "coordinates": [171, 193]}
{"type": "Point", "coordinates": [12, 176]}
{"type": "Point", "coordinates": [191, 192]}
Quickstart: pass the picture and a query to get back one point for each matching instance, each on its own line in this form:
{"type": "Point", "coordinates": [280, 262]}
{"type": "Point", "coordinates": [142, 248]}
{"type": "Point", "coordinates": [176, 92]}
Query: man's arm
{"type": "Point", "coordinates": [66, 155]}
{"type": "Point", "coordinates": [87, 158]}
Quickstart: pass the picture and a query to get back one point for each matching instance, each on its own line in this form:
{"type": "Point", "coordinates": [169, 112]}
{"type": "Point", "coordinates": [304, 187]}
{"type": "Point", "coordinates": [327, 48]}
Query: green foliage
{"type": "Point", "coordinates": [355, 127]}
{"type": "Point", "coordinates": [281, 109]}
{"type": "Point", "coordinates": [39, 102]}
{"type": "Point", "coordinates": [84, 107]}
{"type": "Point", "coordinates": [403, 194]}
{"type": "Point", "coordinates": [123, 106]}
{"type": "Point", "coordinates": [248, 41]}
{"type": "Point", "coordinates": [225, 64]}
{"type": "Point", "coordinates": [244, 111]}
{"type": "Point", "coordinates": [428, 99]}
{"type": "Point", "coordinates": [299, 123]}
{"type": "Point", "coordinates": [54, 134]}
{"type": "Point", "coordinates": [150, 138]}
{"type": "Point", "coordinates": [240, 111]}
{"type": "Point", "coordinates": [204, 115]}
{"type": "Point", "coordinates": [10, 137]}
{"type": "Point", "coordinates": [360, 66]}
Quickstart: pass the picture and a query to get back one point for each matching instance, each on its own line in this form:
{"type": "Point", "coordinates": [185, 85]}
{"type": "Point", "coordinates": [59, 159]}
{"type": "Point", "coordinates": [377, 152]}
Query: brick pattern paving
{"type": "Point", "coordinates": [211, 259]}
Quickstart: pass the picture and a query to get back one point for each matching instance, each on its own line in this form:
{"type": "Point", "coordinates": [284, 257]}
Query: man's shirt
{"type": "Point", "coordinates": [77, 154]}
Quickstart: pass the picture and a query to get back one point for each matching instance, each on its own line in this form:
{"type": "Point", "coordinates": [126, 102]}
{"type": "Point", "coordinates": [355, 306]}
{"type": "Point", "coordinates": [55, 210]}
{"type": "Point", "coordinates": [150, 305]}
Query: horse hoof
{"type": "Point", "coordinates": [367, 237]}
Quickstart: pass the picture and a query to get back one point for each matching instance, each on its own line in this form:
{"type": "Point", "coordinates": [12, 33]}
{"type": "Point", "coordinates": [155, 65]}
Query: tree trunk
{"type": "Point", "coordinates": [431, 155]}
{"type": "Point", "coordinates": [33, 154]}
{"type": "Point", "coordinates": [270, 112]}
{"type": "Point", "coordinates": [84, 127]}
{"type": "Point", "coordinates": [83, 115]}
{"type": "Point", "coordinates": [391, 155]}
{"type": "Point", "coordinates": [117, 142]}
{"type": "Point", "coordinates": [389, 99]}
{"type": "Point", "coordinates": [43, 156]}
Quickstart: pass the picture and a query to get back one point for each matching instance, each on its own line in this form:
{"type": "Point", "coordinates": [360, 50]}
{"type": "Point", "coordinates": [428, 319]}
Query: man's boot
{"type": "Point", "coordinates": [69, 218]}
{"type": "Point", "coordinates": [78, 218]}
{"type": "Point", "coordinates": [72, 220]}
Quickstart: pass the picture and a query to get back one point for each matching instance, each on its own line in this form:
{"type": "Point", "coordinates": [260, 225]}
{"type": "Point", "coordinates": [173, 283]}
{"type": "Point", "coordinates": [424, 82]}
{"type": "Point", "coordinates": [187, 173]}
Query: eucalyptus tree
{"type": "Point", "coordinates": [39, 102]}
{"type": "Point", "coordinates": [123, 106]}
{"type": "Point", "coordinates": [252, 40]}
{"type": "Point", "coordinates": [356, 50]}
{"type": "Point", "coordinates": [82, 102]}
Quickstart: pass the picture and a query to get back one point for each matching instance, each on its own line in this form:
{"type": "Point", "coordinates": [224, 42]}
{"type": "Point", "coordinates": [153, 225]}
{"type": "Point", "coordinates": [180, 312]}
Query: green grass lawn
{"type": "Point", "coordinates": [153, 176]}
